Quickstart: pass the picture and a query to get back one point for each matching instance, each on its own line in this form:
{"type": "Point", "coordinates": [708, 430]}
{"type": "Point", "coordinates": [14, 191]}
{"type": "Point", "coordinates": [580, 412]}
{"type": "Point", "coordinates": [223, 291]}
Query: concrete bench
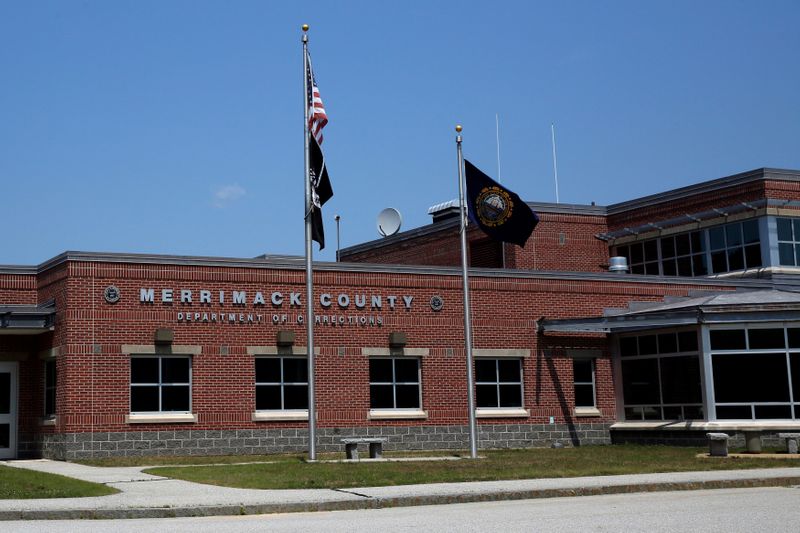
{"type": "Point", "coordinates": [717, 444]}
{"type": "Point", "coordinates": [375, 446]}
{"type": "Point", "coordinates": [791, 441]}
{"type": "Point", "coordinates": [752, 440]}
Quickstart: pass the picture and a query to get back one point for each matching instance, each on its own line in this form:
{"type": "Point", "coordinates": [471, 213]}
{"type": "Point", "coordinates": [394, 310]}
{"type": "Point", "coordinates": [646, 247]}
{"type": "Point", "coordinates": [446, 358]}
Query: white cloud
{"type": "Point", "coordinates": [224, 196]}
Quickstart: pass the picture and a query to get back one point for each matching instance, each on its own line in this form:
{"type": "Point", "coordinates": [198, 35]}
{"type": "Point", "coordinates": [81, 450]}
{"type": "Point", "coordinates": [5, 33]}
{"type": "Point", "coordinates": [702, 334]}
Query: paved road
{"type": "Point", "coordinates": [727, 510]}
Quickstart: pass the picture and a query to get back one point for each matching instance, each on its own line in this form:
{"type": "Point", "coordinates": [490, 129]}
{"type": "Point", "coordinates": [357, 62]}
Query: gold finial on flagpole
{"type": "Point", "coordinates": [305, 27]}
{"type": "Point", "coordinates": [459, 128]}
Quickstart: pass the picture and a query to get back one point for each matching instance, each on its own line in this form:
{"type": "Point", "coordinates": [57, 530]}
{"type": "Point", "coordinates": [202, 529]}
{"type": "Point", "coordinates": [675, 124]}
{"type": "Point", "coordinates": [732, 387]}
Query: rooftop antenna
{"type": "Point", "coordinates": [389, 221]}
{"type": "Point", "coordinates": [555, 163]}
{"type": "Point", "coordinates": [497, 129]}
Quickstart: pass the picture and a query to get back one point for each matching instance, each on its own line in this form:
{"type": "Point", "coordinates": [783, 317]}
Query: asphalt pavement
{"type": "Point", "coordinates": [146, 496]}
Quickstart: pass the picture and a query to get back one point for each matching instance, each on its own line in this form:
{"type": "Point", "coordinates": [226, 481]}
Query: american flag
{"type": "Point", "coordinates": [316, 110]}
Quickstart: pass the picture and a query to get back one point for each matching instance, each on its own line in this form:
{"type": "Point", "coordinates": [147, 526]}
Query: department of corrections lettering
{"type": "Point", "coordinates": [260, 318]}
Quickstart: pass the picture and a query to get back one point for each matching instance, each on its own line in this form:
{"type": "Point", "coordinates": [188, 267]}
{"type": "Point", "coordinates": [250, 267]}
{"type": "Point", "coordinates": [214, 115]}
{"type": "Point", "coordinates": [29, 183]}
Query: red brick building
{"type": "Point", "coordinates": [116, 354]}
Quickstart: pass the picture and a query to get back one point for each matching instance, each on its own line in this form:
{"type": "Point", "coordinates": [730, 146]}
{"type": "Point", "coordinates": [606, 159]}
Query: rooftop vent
{"type": "Point", "coordinates": [444, 211]}
{"type": "Point", "coordinates": [618, 264]}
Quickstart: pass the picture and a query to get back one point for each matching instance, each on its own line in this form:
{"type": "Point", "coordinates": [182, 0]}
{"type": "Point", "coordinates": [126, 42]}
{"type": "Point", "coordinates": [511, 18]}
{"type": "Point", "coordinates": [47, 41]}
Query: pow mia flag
{"type": "Point", "coordinates": [500, 213]}
{"type": "Point", "coordinates": [321, 190]}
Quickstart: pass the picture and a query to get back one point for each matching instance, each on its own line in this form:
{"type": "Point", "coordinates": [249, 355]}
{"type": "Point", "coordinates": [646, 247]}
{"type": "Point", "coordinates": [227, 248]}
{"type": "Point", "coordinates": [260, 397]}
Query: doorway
{"type": "Point", "coordinates": [8, 409]}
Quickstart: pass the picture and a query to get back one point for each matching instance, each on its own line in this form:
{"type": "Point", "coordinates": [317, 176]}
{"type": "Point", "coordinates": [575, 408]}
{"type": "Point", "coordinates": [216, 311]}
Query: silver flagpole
{"type": "Point", "coordinates": [473, 429]}
{"type": "Point", "coordinates": [312, 412]}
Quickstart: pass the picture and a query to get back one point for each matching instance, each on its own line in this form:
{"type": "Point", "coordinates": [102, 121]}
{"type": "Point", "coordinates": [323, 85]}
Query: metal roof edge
{"type": "Point", "coordinates": [705, 187]}
{"type": "Point", "coordinates": [23, 270]}
{"type": "Point", "coordinates": [422, 231]}
{"type": "Point", "coordinates": [298, 263]}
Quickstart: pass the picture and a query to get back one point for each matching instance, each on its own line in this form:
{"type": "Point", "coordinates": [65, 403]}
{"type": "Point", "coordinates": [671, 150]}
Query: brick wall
{"type": "Point", "coordinates": [94, 388]}
{"type": "Point", "coordinates": [561, 242]}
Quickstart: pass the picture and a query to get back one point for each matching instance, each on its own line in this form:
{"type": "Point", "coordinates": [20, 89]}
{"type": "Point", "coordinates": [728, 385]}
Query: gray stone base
{"type": "Point", "coordinates": [256, 441]}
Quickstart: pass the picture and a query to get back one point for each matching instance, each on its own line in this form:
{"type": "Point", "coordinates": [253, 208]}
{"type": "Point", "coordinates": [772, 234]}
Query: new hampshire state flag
{"type": "Point", "coordinates": [499, 212]}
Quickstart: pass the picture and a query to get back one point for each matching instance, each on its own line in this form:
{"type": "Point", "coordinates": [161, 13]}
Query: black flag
{"type": "Point", "coordinates": [500, 213]}
{"type": "Point", "coordinates": [321, 190]}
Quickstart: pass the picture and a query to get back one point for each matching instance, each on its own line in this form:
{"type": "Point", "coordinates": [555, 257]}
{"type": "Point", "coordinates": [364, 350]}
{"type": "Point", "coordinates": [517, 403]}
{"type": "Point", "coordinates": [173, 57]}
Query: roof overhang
{"type": "Point", "coordinates": [27, 320]}
{"type": "Point", "coordinates": [643, 321]}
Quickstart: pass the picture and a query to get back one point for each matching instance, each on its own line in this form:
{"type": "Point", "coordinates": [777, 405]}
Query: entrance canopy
{"type": "Point", "coordinates": [27, 320]}
{"type": "Point", "coordinates": [768, 305]}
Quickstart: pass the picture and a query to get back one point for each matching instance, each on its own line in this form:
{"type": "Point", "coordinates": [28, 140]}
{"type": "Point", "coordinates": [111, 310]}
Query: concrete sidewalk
{"type": "Point", "coordinates": [147, 496]}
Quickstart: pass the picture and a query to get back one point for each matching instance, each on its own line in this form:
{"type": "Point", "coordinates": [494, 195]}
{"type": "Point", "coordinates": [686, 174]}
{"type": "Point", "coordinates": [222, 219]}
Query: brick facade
{"type": "Point", "coordinates": [94, 370]}
{"type": "Point", "coordinates": [559, 274]}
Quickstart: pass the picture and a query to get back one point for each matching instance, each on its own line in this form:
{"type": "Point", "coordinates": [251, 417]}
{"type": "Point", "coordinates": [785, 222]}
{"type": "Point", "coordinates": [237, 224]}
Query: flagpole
{"type": "Point", "coordinates": [312, 412]}
{"type": "Point", "coordinates": [473, 430]}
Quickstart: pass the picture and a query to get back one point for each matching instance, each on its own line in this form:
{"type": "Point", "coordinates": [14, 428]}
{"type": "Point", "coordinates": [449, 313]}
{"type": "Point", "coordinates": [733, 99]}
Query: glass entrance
{"type": "Point", "coordinates": [8, 410]}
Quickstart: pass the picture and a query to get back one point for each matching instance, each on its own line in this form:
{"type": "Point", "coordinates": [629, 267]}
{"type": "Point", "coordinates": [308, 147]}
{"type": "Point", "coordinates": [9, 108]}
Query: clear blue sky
{"type": "Point", "coordinates": [176, 126]}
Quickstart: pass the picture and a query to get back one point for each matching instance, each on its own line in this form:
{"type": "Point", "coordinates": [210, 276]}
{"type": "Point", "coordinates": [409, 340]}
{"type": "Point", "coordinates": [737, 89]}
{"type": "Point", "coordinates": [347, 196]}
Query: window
{"type": "Point", "coordinates": [498, 383]}
{"type": "Point", "coordinates": [684, 254]}
{"type": "Point", "coordinates": [50, 381]}
{"type": "Point", "coordinates": [661, 376]}
{"type": "Point", "coordinates": [756, 372]}
{"type": "Point", "coordinates": [161, 384]}
{"type": "Point", "coordinates": [394, 383]}
{"type": "Point", "coordinates": [789, 241]}
{"type": "Point", "coordinates": [281, 383]}
{"type": "Point", "coordinates": [723, 248]}
{"type": "Point", "coordinates": [734, 246]}
{"type": "Point", "coordinates": [583, 381]}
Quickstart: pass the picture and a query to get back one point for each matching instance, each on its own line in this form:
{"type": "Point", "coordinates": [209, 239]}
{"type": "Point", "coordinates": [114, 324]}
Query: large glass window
{"type": "Point", "coordinates": [50, 388]}
{"type": "Point", "coordinates": [755, 372]}
{"type": "Point", "coordinates": [161, 384]}
{"type": "Point", "coordinates": [583, 379]}
{"type": "Point", "coordinates": [789, 241]}
{"type": "Point", "coordinates": [498, 383]}
{"type": "Point", "coordinates": [281, 383]}
{"type": "Point", "coordinates": [723, 248]}
{"type": "Point", "coordinates": [661, 376]}
{"type": "Point", "coordinates": [394, 383]}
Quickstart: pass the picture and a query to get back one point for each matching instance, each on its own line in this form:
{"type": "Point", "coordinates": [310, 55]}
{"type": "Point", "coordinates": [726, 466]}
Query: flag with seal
{"type": "Point", "coordinates": [499, 212]}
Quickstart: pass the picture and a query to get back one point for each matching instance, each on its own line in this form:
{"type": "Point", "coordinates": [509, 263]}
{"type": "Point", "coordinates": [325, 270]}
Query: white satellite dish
{"type": "Point", "coordinates": [389, 221]}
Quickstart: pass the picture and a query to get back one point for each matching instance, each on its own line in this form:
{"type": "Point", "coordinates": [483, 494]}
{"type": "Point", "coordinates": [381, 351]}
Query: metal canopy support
{"type": "Point", "coordinates": [614, 324]}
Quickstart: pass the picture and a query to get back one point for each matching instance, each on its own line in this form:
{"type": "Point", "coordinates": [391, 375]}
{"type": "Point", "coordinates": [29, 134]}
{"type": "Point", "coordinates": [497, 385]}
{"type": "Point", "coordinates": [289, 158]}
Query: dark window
{"type": "Point", "coordinates": [160, 384]}
{"type": "Point", "coordinates": [727, 339]}
{"type": "Point", "coordinates": [687, 341]}
{"type": "Point", "coordinates": [667, 343]}
{"type": "Point", "coordinates": [50, 381]}
{"type": "Point", "coordinates": [680, 380]}
{"type": "Point", "coordinates": [498, 383]}
{"type": "Point", "coordinates": [394, 383]}
{"type": "Point", "coordinates": [628, 346]}
{"type": "Point", "coordinates": [5, 393]}
{"type": "Point", "coordinates": [658, 384]}
{"type": "Point", "coordinates": [750, 378]}
{"type": "Point", "coordinates": [647, 345]}
{"type": "Point", "coordinates": [281, 383]}
{"type": "Point", "coordinates": [584, 382]}
{"type": "Point", "coordinates": [640, 381]}
{"type": "Point", "coordinates": [765, 339]}
{"type": "Point", "coordinates": [789, 241]}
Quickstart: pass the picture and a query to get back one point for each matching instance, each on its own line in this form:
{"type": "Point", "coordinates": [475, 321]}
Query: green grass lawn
{"type": "Point", "coordinates": [19, 483]}
{"type": "Point", "coordinates": [292, 472]}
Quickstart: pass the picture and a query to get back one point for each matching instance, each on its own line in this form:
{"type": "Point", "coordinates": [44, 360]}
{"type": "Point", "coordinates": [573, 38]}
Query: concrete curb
{"type": "Point", "coordinates": [386, 502]}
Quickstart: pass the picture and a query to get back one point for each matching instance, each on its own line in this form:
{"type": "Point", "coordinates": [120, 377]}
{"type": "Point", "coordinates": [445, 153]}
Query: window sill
{"type": "Point", "coordinates": [396, 414]}
{"type": "Point", "coordinates": [159, 418]}
{"type": "Point", "coordinates": [48, 421]}
{"type": "Point", "coordinates": [501, 412]}
{"type": "Point", "coordinates": [587, 412]}
{"type": "Point", "coordinates": [267, 416]}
